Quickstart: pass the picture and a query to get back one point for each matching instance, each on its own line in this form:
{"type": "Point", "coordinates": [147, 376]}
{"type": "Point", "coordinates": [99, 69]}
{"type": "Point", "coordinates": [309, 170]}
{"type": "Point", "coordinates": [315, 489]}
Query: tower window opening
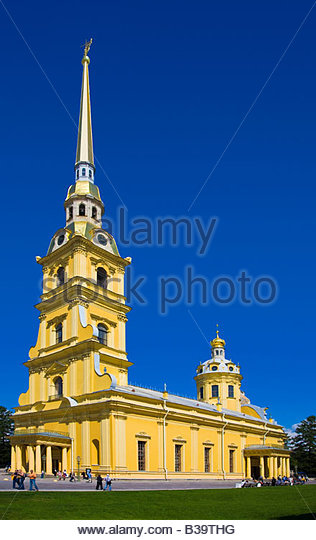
{"type": "Point", "coordinates": [231, 460]}
{"type": "Point", "coordinates": [90, 173]}
{"type": "Point", "coordinates": [102, 278]}
{"type": "Point", "coordinates": [141, 454]}
{"type": "Point", "coordinates": [59, 333]}
{"type": "Point", "coordinates": [58, 383]}
{"type": "Point", "coordinates": [177, 457]}
{"type": "Point", "coordinates": [215, 390]}
{"type": "Point", "coordinates": [70, 212]}
{"type": "Point", "coordinates": [207, 461]}
{"type": "Point", "coordinates": [77, 174]}
{"type": "Point", "coordinates": [230, 390]}
{"type": "Point", "coordinates": [82, 210]}
{"type": "Point", "coordinates": [103, 334]}
{"type": "Point", "coordinates": [217, 351]}
{"type": "Point", "coordinates": [83, 172]}
{"type": "Point", "coordinates": [94, 212]}
{"type": "Point", "coordinates": [60, 276]}
{"type": "Point", "coordinates": [201, 392]}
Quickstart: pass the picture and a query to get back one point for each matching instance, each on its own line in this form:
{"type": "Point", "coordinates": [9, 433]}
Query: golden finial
{"type": "Point", "coordinates": [218, 342]}
{"type": "Point", "coordinates": [87, 46]}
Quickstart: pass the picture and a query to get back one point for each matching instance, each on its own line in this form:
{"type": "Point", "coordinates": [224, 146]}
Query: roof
{"type": "Point", "coordinates": [188, 402]}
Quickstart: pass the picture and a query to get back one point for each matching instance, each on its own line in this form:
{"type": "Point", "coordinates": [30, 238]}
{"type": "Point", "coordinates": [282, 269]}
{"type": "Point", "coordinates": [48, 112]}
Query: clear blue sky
{"type": "Point", "coordinates": [170, 83]}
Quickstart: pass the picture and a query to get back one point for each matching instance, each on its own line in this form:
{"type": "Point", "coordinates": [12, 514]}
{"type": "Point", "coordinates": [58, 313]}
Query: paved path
{"type": "Point", "coordinates": [51, 484]}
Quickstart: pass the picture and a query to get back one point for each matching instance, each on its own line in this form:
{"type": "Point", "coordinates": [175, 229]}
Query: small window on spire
{"type": "Point", "coordinates": [70, 212]}
{"type": "Point", "coordinates": [77, 173]}
{"type": "Point", "coordinates": [90, 173]}
{"type": "Point", "coordinates": [82, 210]}
{"type": "Point", "coordinates": [83, 172]}
{"type": "Point", "coordinates": [94, 212]}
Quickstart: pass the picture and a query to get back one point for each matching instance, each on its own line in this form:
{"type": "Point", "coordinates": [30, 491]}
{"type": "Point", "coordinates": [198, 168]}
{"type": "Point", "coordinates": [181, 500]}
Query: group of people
{"type": "Point", "coordinates": [279, 481]}
{"type": "Point", "coordinates": [18, 479]}
{"type": "Point", "coordinates": [107, 482]}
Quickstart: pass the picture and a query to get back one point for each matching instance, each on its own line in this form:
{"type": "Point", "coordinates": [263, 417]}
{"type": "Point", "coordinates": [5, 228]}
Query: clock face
{"type": "Point", "coordinates": [102, 239]}
{"type": "Point", "coordinates": [60, 239]}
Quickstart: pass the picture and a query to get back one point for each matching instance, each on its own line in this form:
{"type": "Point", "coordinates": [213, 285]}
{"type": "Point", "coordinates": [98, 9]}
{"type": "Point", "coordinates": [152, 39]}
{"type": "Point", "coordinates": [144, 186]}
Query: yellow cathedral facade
{"type": "Point", "coordinates": [80, 411]}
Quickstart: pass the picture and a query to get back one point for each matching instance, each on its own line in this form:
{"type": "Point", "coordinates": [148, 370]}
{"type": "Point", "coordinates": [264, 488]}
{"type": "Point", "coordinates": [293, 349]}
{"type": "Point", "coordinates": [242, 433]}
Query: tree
{"type": "Point", "coordinates": [304, 446]}
{"type": "Point", "coordinates": [6, 429]}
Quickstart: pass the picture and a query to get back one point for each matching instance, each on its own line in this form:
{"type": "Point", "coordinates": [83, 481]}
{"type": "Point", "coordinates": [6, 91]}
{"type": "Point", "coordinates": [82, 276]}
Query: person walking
{"type": "Point", "coordinates": [15, 479]}
{"type": "Point", "coordinates": [108, 483]}
{"type": "Point", "coordinates": [32, 477]}
{"type": "Point", "coordinates": [99, 482]}
{"type": "Point", "coordinates": [22, 477]}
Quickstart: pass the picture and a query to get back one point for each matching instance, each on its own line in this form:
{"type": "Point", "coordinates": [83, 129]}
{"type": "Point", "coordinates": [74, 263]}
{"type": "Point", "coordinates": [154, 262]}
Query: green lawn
{"type": "Point", "coordinates": [265, 503]}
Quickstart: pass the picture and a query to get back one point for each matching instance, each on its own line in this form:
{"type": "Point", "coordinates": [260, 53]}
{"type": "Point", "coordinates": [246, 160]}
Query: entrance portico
{"type": "Point", "coordinates": [266, 461]}
{"type": "Point", "coordinates": [41, 451]}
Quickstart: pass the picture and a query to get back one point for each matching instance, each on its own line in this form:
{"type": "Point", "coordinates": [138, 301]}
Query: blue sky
{"type": "Point", "coordinates": [170, 84]}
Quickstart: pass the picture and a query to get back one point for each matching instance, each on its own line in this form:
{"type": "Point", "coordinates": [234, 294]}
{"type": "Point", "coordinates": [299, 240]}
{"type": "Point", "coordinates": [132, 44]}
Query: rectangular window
{"type": "Point", "coordinates": [201, 393]}
{"type": "Point", "coordinates": [177, 457]}
{"type": "Point", "coordinates": [231, 460]}
{"type": "Point", "coordinates": [141, 455]}
{"type": "Point", "coordinates": [215, 390]}
{"type": "Point", "coordinates": [230, 390]}
{"type": "Point", "coordinates": [207, 462]}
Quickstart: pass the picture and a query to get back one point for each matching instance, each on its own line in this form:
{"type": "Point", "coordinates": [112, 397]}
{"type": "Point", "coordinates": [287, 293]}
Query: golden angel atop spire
{"type": "Point", "coordinates": [87, 46]}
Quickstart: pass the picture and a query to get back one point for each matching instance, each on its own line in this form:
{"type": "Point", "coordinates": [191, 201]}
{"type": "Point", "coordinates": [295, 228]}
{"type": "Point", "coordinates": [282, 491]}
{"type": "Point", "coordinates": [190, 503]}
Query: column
{"type": "Point", "coordinates": [271, 468]}
{"type": "Point", "coordinates": [49, 468]}
{"type": "Point", "coordinates": [194, 449]}
{"type": "Point", "coordinates": [64, 458]}
{"type": "Point", "coordinates": [262, 466]}
{"type": "Point", "coordinates": [287, 467]}
{"type": "Point", "coordinates": [85, 443]}
{"type": "Point", "coordinates": [283, 466]}
{"type": "Point", "coordinates": [105, 443]}
{"type": "Point", "coordinates": [38, 459]}
{"type": "Point", "coordinates": [248, 467]}
{"type": "Point", "coordinates": [120, 441]}
{"type": "Point", "coordinates": [18, 457]}
{"type": "Point", "coordinates": [13, 465]}
{"type": "Point", "coordinates": [30, 456]}
{"type": "Point", "coordinates": [276, 472]}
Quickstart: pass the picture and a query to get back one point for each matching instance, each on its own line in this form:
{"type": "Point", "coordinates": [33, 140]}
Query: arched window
{"type": "Point", "coordinates": [230, 390]}
{"type": "Point", "coordinates": [103, 334]}
{"type": "Point", "coordinates": [77, 173]}
{"type": "Point", "coordinates": [95, 454]}
{"type": "Point", "coordinates": [70, 212]}
{"type": "Point", "coordinates": [90, 173]}
{"type": "Point", "coordinates": [215, 390]}
{"type": "Point", "coordinates": [94, 212]}
{"type": "Point", "coordinates": [82, 210]}
{"type": "Point", "coordinates": [83, 172]}
{"type": "Point", "coordinates": [102, 278]}
{"type": "Point", "coordinates": [58, 383]}
{"type": "Point", "coordinates": [60, 276]}
{"type": "Point", "coordinates": [59, 333]}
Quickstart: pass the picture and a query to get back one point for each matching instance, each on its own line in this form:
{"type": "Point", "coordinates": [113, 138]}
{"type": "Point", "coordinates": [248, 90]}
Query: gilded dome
{"type": "Point", "coordinates": [218, 342]}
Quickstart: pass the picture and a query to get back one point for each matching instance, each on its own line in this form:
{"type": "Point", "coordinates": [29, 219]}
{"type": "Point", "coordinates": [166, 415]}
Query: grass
{"type": "Point", "coordinates": [265, 503]}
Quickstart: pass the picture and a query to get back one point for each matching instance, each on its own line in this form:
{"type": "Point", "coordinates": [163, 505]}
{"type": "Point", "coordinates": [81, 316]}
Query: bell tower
{"type": "Point", "coordinates": [81, 340]}
{"type": "Point", "coordinates": [218, 379]}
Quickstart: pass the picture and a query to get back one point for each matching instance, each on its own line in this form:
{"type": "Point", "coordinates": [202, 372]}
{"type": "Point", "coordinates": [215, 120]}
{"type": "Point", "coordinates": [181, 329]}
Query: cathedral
{"type": "Point", "coordinates": [80, 411]}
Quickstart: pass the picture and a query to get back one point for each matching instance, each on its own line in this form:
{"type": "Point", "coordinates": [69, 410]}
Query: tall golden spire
{"type": "Point", "coordinates": [85, 144]}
